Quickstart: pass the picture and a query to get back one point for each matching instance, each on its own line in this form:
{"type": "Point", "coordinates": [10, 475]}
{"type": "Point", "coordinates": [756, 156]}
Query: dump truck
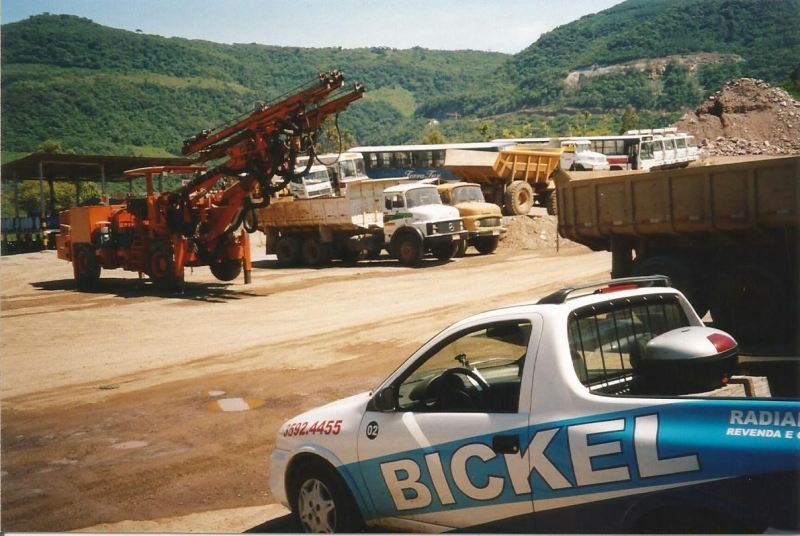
{"type": "Point", "coordinates": [406, 218]}
{"type": "Point", "coordinates": [513, 178]}
{"type": "Point", "coordinates": [726, 234]}
{"type": "Point", "coordinates": [483, 221]}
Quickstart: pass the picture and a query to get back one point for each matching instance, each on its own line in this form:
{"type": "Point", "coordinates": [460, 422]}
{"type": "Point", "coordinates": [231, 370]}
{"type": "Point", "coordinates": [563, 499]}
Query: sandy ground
{"type": "Point", "coordinates": [113, 401]}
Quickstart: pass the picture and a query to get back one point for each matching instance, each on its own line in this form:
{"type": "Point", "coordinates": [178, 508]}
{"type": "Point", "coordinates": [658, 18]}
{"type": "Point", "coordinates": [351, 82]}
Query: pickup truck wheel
{"type": "Point", "coordinates": [314, 252]}
{"type": "Point", "coordinates": [322, 502]}
{"type": "Point", "coordinates": [161, 265]}
{"type": "Point", "coordinates": [226, 269]}
{"type": "Point", "coordinates": [445, 251]}
{"type": "Point", "coordinates": [519, 198]}
{"type": "Point", "coordinates": [408, 250]}
{"type": "Point", "coordinates": [85, 266]}
{"type": "Point", "coordinates": [287, 250]}
{"type": "Point", "coordinates": [486, 245]}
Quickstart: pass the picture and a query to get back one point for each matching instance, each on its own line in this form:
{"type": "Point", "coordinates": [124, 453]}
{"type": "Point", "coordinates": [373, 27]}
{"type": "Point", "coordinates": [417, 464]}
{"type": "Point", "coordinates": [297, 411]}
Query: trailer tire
{"type": "Point", "coordinates": [314, 253]}
{"type": "Point", "coordinates": [407, 248]}
{"type": "Point", "coordinates": [751, 303]}
{"type": "Point", "coordinates": [519, 198]}
{"type": "Point", "coordinates": [551, 203]}
{"type": "Point", "coordinates": [226, 269]}
{"type": "Point", "coordinates": [287, 250]}
{"type": "Point", "coordinates": [85, 266]}
{"type": "Point", "coordinates": [486, 245]}
{"type": "Point", "coordinates": [161, 265]}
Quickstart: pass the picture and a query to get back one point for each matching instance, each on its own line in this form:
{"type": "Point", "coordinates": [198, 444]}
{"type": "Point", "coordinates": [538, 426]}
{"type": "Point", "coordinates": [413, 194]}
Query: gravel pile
{"type": "Point", "coordinates": [746, 117]}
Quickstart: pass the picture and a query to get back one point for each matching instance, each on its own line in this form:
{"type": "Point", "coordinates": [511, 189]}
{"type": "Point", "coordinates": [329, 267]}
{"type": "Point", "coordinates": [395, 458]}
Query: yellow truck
{"type": "Point", "coordinates": [483, 221]}
{"type": "Point", "coordinates": [726, 234]}
{"type": "Point", "coordinates": [513, 178]}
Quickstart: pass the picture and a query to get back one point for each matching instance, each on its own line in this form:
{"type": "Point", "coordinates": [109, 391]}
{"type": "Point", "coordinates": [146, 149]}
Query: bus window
{"type": "Point", "coordinates": [385, 160]}
{"type": "Point", "coordinates": [438, 158]}
{"type": "Point", "coordinates": [401, 160]}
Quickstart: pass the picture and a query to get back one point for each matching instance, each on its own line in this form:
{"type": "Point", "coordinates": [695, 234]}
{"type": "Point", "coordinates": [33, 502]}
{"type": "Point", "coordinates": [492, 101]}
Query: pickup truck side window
{"type": "Point", "coordinates": [607, 342]}
{"type": "Point", "coordinates": [474, 371]}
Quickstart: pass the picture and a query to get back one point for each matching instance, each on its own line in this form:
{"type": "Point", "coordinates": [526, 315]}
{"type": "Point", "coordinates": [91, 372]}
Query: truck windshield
{"type": "Point", "coordinates": [316, 177]}
{"type": "Point", "coordinates": [465, 194]}
{"type": "Point", "coordinates": [422, 196]}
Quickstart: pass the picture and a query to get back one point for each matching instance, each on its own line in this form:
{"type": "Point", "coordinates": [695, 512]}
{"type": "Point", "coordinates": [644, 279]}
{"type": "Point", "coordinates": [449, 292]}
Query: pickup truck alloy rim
{"type": "Point", "coordinates": [316, 507]}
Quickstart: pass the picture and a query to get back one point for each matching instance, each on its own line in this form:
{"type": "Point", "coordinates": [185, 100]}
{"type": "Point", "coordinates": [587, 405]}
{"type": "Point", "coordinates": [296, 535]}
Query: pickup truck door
{"type": "Point", "coordinates": [453, 452]}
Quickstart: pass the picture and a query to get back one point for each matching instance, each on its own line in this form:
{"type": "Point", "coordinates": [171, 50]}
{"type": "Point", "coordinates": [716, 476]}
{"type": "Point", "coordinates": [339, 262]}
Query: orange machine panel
{"type": "Point", "coordinates": [84, 220]}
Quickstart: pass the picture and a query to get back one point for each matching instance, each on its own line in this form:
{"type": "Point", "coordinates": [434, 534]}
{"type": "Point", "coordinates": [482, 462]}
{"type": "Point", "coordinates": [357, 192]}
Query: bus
{"type": "Point", "coordinates": [647, 149]}
{"type": "Point", "coordinates": [417, 161]}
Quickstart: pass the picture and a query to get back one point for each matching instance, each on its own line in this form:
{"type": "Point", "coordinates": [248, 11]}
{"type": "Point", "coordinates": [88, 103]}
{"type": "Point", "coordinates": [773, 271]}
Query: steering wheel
{"type": "Point", "coordinates": [444, 388]}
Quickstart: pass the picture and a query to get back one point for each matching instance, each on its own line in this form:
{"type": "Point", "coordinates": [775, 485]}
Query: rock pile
{"type": "Point", "coordinates": [746, 117]}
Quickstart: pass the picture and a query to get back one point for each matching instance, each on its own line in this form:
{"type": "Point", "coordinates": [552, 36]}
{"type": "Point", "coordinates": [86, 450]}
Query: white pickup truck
{"type": "Point", "coordinates": [601, 408]}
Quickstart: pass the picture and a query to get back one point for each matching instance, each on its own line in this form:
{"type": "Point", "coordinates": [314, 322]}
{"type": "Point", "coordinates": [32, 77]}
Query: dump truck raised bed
{"type": "Point", "coordinates": [726, 234]}
{"type": "Point", "coordinates": [512, 179]}
{"type": "Point", "coordinates": [406, 218]}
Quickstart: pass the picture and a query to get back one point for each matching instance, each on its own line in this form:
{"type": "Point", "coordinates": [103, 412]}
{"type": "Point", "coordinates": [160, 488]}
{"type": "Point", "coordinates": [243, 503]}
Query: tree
{"type": "Point", "coordinates": [433, 137]}
{"type": "Point", "coordinates": [52, 147]}
{"type": "Point", "coordinates": [629, 119]}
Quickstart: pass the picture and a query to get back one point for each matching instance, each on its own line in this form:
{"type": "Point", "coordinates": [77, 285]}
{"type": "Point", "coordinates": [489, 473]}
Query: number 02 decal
{"type": "Point", "coordinates": [372, 430]}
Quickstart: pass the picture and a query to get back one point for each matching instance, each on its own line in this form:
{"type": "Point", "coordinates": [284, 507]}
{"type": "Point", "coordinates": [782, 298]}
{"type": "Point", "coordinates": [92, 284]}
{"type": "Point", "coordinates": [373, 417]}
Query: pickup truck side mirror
{"type": "Point", "coordinates": [385, 400]}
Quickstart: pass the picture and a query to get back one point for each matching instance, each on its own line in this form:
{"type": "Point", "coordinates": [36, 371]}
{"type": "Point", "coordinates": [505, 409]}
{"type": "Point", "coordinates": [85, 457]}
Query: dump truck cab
{"type": "Point", "coordinates": [483, 221]}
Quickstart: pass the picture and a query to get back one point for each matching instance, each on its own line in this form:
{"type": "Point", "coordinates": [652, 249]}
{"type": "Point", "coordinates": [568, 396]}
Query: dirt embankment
{"type": "Point", "coordinates": [746, 117]}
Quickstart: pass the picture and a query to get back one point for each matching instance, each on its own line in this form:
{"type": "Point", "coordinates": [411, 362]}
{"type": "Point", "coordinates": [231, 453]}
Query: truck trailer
{"type": "Point", "coordinates": [726, 234]}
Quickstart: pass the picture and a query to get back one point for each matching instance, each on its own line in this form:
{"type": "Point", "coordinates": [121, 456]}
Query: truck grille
{"type": "Point", "coordinates": [445, 227]}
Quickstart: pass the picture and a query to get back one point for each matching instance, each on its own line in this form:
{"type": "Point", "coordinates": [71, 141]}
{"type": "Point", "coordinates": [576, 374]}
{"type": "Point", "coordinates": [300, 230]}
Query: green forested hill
{"type": "Point", "coordinates": [96, 89]}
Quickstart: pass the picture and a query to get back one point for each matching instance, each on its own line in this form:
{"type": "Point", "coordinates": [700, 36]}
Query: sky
{"type": "Point", "coordinates": [506, 26]}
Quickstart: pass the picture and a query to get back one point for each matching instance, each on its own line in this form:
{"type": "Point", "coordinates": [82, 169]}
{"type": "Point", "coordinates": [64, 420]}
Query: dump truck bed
{"type": "Point", "coordinates": [751, 194]}
{"type": "Point", "coordinates": [360, 208]}
{"type": "Point", "coordinates": [523, 164]}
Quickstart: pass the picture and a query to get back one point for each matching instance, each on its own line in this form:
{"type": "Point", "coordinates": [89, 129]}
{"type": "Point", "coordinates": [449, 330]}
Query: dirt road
{"type": "Point", "coordinates": [128, 411]}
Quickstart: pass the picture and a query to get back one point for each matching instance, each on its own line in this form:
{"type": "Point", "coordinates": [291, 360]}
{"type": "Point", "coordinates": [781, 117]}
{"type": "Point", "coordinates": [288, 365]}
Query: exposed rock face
{"type": "Point", "coordinates": [746, 117]}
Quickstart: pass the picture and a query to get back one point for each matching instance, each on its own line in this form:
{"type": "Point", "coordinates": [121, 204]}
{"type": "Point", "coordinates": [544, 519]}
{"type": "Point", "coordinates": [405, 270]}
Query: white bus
{"type": "Point", "coordinates": [647, 149]}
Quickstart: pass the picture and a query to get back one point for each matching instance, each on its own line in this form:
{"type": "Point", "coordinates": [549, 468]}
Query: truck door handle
{"type": "Point", "coordinates": [505, 444]}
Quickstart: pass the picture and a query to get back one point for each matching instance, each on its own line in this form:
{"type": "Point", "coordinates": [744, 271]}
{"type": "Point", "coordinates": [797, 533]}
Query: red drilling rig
{"type": "Point", "coordinates": [206, 221]}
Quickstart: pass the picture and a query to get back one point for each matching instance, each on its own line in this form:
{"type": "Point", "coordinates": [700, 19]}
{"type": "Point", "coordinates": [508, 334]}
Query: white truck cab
{"type": "Point", "coordinates": [578, 156]}
{"type": "Point", "coordinates": [314, 183]}
{"type": "Point", "coordinates": [416, 221]}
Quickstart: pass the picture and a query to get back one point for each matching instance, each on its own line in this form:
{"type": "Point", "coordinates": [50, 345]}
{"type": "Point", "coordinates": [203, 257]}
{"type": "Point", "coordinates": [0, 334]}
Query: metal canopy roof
{"type": "Point", "coordinates": [76, 167]}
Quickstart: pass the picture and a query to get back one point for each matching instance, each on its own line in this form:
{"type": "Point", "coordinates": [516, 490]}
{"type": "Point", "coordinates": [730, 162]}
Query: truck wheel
{"type": "Point", "coordinates": [226, 269]}
{"type": "Point", "coordinates": [551, 203]}
{"type": "Point", "coordinates": [751, 303]}
{"type": "Point", "coordinates": [85, 266]}
{"type": "Point", "coordinates": [519, 198]}
{"type": "Point", "coordinates": [287, 250]}
{"type": "Point", "coordinates": [408, 250]}
{"type": "Point", "coordinates": [445, 251]}
{"type": "Point", "coordinates": [321, 501]}
{"type": "Point", "coordinates": [681, 273]}
{"type": "Point", "coordinates": [461, 249]}
{"type": "Point", "coordinates": [161, 265]}
{"type": "Point", "coordinates": [486, 245]}
{"type": "Point", "coordinates": [314, 252]}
